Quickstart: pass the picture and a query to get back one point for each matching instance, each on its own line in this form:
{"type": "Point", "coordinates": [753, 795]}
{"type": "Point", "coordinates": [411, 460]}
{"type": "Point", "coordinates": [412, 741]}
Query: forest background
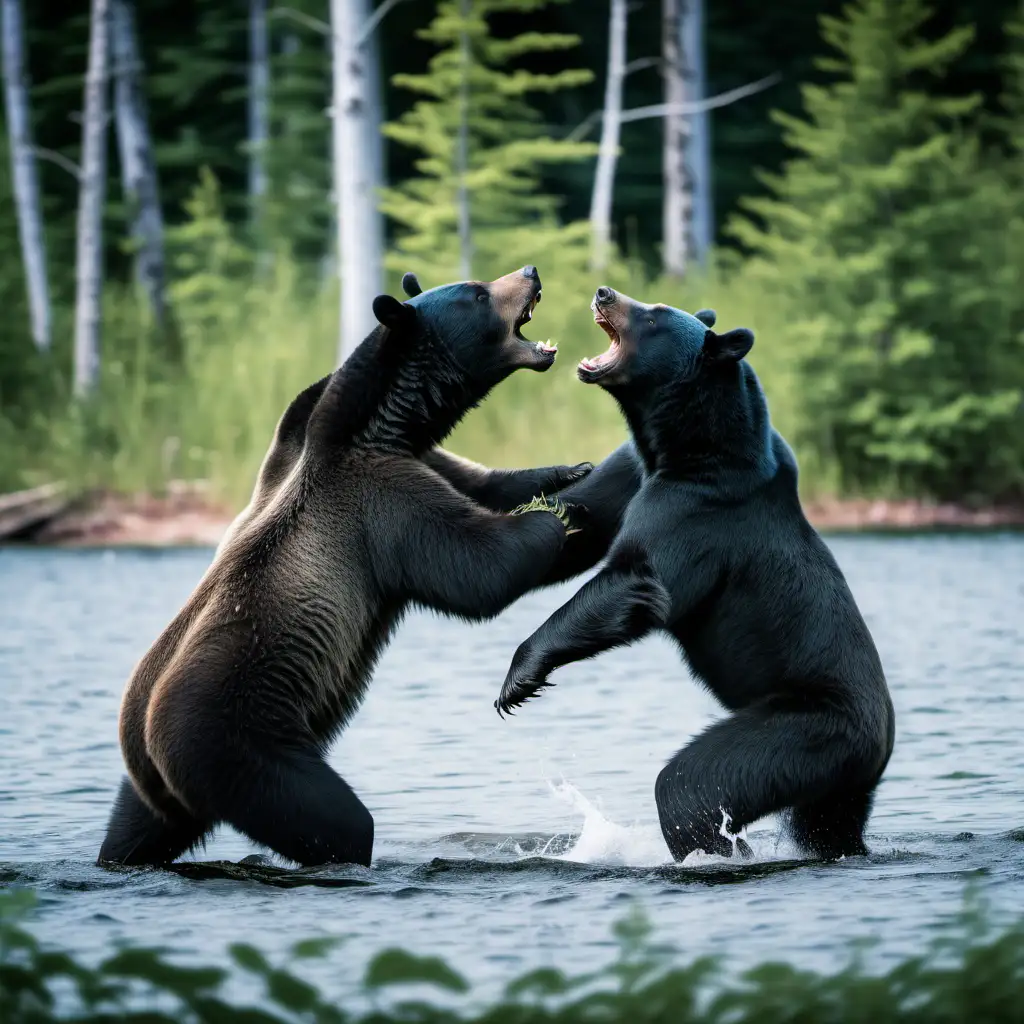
{"type": "Point", "coordinates": [199, 198]}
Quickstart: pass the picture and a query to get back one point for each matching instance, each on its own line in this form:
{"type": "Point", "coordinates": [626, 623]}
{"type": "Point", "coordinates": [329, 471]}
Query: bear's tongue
{"type": "Point", "coordinates": [596, 362]}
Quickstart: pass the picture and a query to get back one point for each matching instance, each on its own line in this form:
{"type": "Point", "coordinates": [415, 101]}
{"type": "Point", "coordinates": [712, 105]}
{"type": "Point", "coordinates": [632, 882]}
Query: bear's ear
{"type": "Point", "coordinates": [411, 286]}
{"type": "Point", "coordinates": [706, 316]}
{"type": "Point", "coordinates": [729, 347]}
{"type": "Point", "coordinates": [392, 313]}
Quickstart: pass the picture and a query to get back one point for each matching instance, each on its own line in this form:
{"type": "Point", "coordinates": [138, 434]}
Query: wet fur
{"type": "Point", "coordinates": [356, 515]}
{"type": "Point", "coordinates": [715, 551]}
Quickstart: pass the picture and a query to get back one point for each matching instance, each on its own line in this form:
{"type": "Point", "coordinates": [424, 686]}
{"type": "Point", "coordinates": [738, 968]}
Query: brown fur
{"type": "Point", "coordinates": [356, 514]}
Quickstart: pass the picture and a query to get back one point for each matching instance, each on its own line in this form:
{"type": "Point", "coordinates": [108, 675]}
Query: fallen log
{"type": "Point", "coordinates": [23, 512]}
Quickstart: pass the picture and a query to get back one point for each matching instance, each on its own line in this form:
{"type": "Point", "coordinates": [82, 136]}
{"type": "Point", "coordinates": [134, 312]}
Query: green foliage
{"type": "Point", "coordinates": [298, 207]}
{"type": "Point", "coordinates": [1013, 94]}
{"type": "Point", "coordinates": [970, 974]}
{"type": "Point", "coordinates": [886, 240]}
{"type": "Point", "coordinates": [885, 278]}
{"type": "Point", "coordinates": [253, 338]}
{"type": "Point", "coordinates": [469, 82]}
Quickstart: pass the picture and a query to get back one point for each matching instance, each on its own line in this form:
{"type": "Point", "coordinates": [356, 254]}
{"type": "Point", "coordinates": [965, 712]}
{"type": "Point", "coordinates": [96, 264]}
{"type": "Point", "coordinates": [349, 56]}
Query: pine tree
{"type": "Point", "coordinates": [298, 158]}
{"type": "Point", "coordinates": [470, 85]}
{"type": "Point", "coordinates": [885, 237]}
{"type": "Point", "coordinates": [1013, 96]}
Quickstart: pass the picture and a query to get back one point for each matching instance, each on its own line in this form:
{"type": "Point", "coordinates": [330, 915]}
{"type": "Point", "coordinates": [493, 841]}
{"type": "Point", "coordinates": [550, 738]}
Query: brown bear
{"type": "Point", "coordinates": [356, 515]}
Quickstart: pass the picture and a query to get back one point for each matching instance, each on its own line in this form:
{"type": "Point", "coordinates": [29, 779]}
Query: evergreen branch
{"type": "Point", "coordinates": [550, 505]}
{"type": "Point", "coordinates": [59, 159]}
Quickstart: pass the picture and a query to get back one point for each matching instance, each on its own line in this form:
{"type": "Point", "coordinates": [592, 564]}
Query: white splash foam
{"type": "Point", "coordinates": [602, 841]}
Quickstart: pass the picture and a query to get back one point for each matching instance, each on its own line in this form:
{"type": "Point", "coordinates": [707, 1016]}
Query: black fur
{"type": "Point", "coordinates": [356, 515]}
{"type": "Point", "coordinates": [715, 550]}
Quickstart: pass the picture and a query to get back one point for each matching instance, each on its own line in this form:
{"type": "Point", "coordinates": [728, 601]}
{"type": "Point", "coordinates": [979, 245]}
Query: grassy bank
{"type": "Point", "coordinates": [969, 974]}
{"type": "Point", "coordinates": [244, 349]}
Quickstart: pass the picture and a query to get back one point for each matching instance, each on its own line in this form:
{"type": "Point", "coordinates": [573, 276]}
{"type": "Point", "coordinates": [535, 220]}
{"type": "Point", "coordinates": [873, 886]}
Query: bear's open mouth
{"type": "Point", "coordinates": [523, 319]}
{"type": "Point", "coordinates": [593, 367]}
{"type": "Point", "coordinates": [525, 316]}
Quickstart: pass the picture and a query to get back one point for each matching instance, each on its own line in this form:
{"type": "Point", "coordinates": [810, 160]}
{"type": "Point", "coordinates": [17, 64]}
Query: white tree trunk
{"type": "Point", "coordinates": [24, 173]}
{"type": "Point", "coordinates": [464, 220]}
{"type": "Point", "coordinates": [698, 149]}
{"type": "Point", "coordinates": [138, 163]}
{"type": "Point", "coordinates": [608, 153]}
{"type": "Point", "coordinates": [91, 196]}
{"type": "Point", "coordinates": [354, 187]}
{"type": "Point", "coordinates": [259, 89]}
{"type": "Point", "coordinates": [677, 195]}
{"type": "Point", "coordinates": [375, 147]}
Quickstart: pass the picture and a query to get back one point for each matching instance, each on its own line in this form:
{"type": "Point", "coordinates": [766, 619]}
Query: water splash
{"type": "Point", "coordinates": [602, 841]}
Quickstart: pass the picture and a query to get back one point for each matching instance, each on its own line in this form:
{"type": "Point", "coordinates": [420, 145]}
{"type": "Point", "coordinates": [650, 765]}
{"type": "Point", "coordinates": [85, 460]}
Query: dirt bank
{"type": "Point", "coordinates": [187, 517]}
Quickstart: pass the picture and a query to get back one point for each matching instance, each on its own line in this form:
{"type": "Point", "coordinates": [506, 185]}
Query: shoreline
{"type": "Point", "coordinates": [186, 518]}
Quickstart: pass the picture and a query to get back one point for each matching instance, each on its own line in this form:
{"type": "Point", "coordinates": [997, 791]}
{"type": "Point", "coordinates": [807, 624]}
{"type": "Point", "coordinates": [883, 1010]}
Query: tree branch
{"type": "Point", "coordinates": [699, 106]}
{"type": "Point", "coordinates": [60, 160]}
{"type": "Point", "coordinates": [642, 64]}
{"type": "Point", "coordinates": [375, 19]}
{"type": "Point", "coordinates": [325, 30]}
{"type": "Point", "coordinates": [661, 109]}
{"type": "Point", "coordinates": [583, 128]}
{"type": "Point", "coordinates": [303, 19]}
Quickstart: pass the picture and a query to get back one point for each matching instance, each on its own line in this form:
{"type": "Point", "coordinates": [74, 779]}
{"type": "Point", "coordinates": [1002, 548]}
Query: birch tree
{"type": "Point", "coordinates": [463, 215]}
{"type": "Point", "coordinates": [138, 163]}
{"type": "Point", "coordinates": [608, 154]}
{"type": "Point", "coordinates": [258, 102]}
{"type": "Point", "coordinates": [360, 254]}
{"type": "Point", "coordinates": [91, 195]}
{"type": "Point", "coordinates": [372, 125]}
{"type": "Point", "coordinates": [677, 194]}
{"type": "Point", "coordinates": [687, 212]}
{"type": "Point", "coordinates": [698, 148]}
{"type": "Point", "coordinates": [25, 174]}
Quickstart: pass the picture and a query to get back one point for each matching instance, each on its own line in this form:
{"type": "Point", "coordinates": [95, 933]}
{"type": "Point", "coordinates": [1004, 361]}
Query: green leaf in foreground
{"type": "Point", "coordinates": [313, 949]}
{"type": "Point", "coordinates": [396, 967]}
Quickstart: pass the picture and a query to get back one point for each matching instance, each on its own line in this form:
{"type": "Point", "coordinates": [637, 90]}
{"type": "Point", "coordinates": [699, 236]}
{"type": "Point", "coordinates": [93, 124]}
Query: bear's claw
{"type": "Point", "coordinates": [516, 694]}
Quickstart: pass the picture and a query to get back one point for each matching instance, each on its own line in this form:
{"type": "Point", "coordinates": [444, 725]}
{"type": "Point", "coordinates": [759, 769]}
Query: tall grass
{"type": "Point", "coordinates": [246, 344]}
{"type": "Point", "coordinates": [970, 975]}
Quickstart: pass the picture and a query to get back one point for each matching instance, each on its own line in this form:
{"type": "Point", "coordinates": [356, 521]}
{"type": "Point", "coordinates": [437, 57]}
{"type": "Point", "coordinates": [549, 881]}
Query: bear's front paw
{"type": "Point", "coordinates": [565, 475]}
{"type": "Point", "coordinates": [574, 516]}
{"type": "Point", "coordinates": [524, 680]}
{"type": "Point", "coordinates": [571, 515]}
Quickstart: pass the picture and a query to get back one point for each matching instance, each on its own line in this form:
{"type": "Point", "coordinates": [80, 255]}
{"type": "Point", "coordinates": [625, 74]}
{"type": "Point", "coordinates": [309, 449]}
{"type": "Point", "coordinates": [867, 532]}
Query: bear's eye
{"type": "Point", "coordinates": [651, 321]}
{"type": "Point", "coordinates": [482, 297]}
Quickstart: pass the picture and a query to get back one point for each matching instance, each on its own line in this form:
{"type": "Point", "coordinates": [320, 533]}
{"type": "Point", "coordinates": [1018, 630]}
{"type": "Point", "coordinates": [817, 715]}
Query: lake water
{"type": "Point", "coordinates": [503, 845]}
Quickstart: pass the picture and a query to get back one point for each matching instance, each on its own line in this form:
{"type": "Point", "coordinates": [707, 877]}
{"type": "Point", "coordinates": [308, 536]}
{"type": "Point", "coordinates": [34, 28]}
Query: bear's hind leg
{"type": "Point", "coordinates": [833, 827]}
{"type": "Point", "coordinates": [137, 837]}
{"type": "Point", "coordinates": [757, 762]}
{"type": "Point", "coordinates": [299, 806]}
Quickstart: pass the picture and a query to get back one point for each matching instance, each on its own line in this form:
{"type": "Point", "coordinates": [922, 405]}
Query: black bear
{"type": "Point", "coordinates": [715, 550]}
{"type": "Point", "coordinates": [356, 514]}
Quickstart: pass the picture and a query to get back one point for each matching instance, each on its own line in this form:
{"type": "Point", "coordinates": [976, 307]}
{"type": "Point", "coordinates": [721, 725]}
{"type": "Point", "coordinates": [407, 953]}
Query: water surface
{"type": "Point", "coordinates": [504, 845]}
